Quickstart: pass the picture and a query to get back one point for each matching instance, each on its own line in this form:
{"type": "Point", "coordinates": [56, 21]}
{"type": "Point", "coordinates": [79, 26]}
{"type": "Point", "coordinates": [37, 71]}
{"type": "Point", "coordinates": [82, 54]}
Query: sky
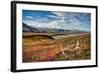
{"type": "Point", "coordinates": [57, 19]}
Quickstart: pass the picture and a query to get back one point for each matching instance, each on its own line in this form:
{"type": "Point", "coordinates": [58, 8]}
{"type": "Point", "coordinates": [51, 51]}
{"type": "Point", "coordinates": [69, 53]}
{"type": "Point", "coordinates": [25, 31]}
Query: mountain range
{"type": "Point", "coordinates": [27, 28]}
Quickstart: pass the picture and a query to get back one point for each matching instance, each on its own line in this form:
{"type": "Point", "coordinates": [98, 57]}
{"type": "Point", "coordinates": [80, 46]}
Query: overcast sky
{"type": "Point", "coordinates": [58, 20]}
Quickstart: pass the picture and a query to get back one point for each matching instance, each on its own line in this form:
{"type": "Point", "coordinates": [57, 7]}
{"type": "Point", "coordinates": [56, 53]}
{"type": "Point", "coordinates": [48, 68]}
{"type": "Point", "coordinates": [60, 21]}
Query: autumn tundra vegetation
{"type": "Point", "coordinates": [54, 47]}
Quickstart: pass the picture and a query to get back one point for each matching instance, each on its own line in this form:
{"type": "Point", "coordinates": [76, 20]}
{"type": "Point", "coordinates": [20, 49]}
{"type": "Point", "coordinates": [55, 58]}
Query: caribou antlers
{"type": "Point", "coordinates": [76, 48]}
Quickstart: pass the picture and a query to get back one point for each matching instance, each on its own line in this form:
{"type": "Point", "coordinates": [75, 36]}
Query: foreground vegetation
{"type": "Point", "coordinates": [39, 48]}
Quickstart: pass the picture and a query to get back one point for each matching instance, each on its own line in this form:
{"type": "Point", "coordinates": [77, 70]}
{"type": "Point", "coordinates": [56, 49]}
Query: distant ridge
{"type": "Point", "coordinates": [27, 28]}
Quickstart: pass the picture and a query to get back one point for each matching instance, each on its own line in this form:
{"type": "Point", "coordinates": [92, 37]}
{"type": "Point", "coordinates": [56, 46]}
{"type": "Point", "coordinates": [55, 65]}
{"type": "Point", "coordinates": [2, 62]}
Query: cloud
{"type": "Point", "coordinates": [30, 17]}
{"type": "Point", "coordinates": [59, 13]}
{"type": "Point", "coordinates": [52, 16]}
{"type": "Point", "coordinates": [42, 20]}
{"type": "Point", "coordinates": [70, 22]}
{"type": "Point", "coordinates": [35, 23]}
{"type": "Point", "coordinates": [61, 20]}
